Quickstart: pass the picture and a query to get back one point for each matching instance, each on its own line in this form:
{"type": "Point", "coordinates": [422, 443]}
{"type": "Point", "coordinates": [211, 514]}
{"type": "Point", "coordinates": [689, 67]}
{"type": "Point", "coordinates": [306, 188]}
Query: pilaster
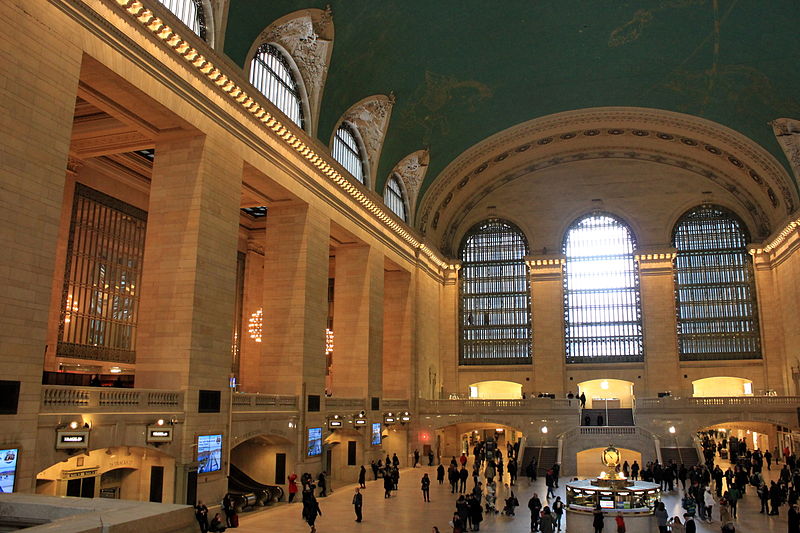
{"type": "Point", "coordinates": [546, 273]}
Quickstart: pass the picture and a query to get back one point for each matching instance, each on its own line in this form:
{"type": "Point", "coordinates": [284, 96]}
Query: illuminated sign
{"type": "Point", "coordinates": [209, 453]}
{"type": "Point", "coordinates": [159, 434]}
{"type": "Point", "coordinates": [376, 433]}
{"type": "Point", "coordinates": [314, 441]}
{"type": "Point", "coordinates": [334, 423]}
{"type": "Point", "coordinates": [8, 469]}
{"type": "Point", "coordinates": [72, 440]}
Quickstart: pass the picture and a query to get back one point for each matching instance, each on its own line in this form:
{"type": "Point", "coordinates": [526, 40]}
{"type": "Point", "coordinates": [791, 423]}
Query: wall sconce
{"type": "Point", "coordinates": [405, 417]}
{"type": "Point", "coordinates": [360, 419]}
{"type": "Point", "coordinates": [544, 429]}
{"type": "Point", "coordinates": [672, 430]}
{"type": "Point", "coordinates": [389, 419]}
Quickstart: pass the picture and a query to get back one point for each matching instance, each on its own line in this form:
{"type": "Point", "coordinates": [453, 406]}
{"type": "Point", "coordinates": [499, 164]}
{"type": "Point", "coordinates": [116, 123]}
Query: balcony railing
{"type": "Point", "coordinates": [394, 405]}
{"type": "Point", "coordinates": [345, 403]}
{"type": "Point", "coordinates": [608, 430]}
{"type": "Point", "coordinates": [244, 401]}
{"type": "Point", "coordinates": [733, 402]}
{"type": "Point", "coordinates": [482, 406]}
{"type": "Point", "coordinates": [65, 399]}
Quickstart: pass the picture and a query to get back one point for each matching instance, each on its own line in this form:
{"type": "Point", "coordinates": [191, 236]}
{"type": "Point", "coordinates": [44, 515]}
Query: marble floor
{"type": "Point", "coordinates": [406, 512]}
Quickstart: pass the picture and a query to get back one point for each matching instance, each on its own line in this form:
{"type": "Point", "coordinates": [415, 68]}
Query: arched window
{"type": "Point", "coordinates": [190, 12]}
{"type": "Point", "coordinates": [347, 153]}
{"type": "Point", "coordinates": [602, 309]}
{"type": "Point", "coordinates": [495, 317]}
{"type": "Point", "coordinates": [271, 74]}
{"type": "Point", "coordinates": [394, 199]}
{"type": "Point", "coordinates": [715, 293]}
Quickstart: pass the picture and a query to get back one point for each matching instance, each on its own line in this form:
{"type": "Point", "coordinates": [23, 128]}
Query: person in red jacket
{"type": "Point", "coordinates": [292, 486]}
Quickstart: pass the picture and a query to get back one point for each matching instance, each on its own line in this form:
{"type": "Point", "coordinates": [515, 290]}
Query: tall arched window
{"type": "Point", "coordinates": [602, 309]}
{"type": "Point", "coordinates": [394, 198]}
{"type": "Point", "coordinates": [190, 12]}
{"type": "Point", "coordinates": [495, 314]}
{"type": "Point", "coordinates": [346, 151]}
{"type": "Point", "coordinates": [271, 74]}
{"type": "Point", "coordinates": [715, 291]}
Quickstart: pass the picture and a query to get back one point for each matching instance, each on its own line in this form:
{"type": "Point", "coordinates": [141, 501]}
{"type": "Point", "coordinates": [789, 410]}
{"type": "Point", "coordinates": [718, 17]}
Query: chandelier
{"type": "Point", "coordinates": [328, 341]}
{"type": "Point", "coordinates": [254, 325]}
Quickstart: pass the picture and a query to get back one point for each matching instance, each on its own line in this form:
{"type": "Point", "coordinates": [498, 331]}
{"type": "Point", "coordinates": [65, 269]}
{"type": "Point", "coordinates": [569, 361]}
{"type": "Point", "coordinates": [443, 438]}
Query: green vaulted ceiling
{"type": "Point", "coordinates": [463, 70]}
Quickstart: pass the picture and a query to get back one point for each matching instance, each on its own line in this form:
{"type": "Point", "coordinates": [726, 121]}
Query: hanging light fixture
{"type": "Point", "coordinates": [254, 325]}
{"type": "Point", "coordinates": [71, 307]}
{"type": "Point", "coordinates": [328, 341]}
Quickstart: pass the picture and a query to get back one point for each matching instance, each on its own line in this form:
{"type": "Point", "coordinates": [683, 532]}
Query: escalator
{"type": "Point", "coordinates": [247, 492]}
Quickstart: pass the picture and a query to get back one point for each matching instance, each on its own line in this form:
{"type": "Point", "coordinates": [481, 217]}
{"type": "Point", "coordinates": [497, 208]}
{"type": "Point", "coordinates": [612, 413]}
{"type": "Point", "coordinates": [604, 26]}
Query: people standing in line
{"type": "Point", "coordinates": [292, 486]}
{"type": "Point", "coordinates": [598, 519]}
{"type": "Point", "coordinates": [358, 500]}
{"type": "Point", "coordinates": [201, 514]}
{"type": "Point", "coordinates": [439, 474]}
{"type": "Point", "coordinates": [426, 487]}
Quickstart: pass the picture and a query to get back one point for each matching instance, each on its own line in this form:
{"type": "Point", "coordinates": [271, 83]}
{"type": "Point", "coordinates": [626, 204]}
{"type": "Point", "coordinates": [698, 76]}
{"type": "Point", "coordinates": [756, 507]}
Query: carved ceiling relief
{"type": "Point", "coordinates": [699, 138]}
{"type": "Point", "coordinates": [371, 117]}
{"type": "Point", "coordinates": [411, 170]}
{"type": "Point", "coordinates": [308, 38]}
{"type": "Point", "coordinates": [787, 131]}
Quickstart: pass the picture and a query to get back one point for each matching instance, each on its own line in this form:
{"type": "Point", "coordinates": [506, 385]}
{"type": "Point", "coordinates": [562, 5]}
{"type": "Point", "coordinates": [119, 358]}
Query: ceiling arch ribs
{"type": "Point", "coordinates": [411, 172]}
{"type": "Point", "coordinates": [660, 136]}
{"type": "Point", "coordinates": [307, 36]}
{"type": "Point", "coordinates": [370, 118]}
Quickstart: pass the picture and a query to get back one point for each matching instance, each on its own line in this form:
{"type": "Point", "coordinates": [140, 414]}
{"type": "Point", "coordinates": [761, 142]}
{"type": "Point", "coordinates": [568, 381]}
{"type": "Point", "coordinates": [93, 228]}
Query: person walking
{"type": "Point", "coordinates": [535, 506]}
{"type": "Point", "coordinates": [293, 486]}
{"type": "Point", "coordinates": [662, 518]}
{"type": "Point", "coordinates": [558, 511]}
{"type": "Point", "coordinates": [582, 398]}
{"type": "Point", "coordinates": [463, 476]}
{"type": "Point", "coordinates": [358, 500]}
{"type": "Point", "coordinates": [794, 519]}
{"type": "Point", "coordinates": [322, 483]}
{"type": "Point", "coordinates": [598, 519]}
{"type": "Point", "coordinates": [775, 497]}
{"type": "Point", "coordinates": [416, 458]}
{"type": "Point", "coordinates": [375, 469]}
{"type": "Point", "coordinates": [310, 508]}
{"type": "Point", "coordinates": [619, 520]}
{"type": "Point", "coordinates": [425, 484]}
{"type": "Point", "coordinates": [708, 501]}
{"type": "Point", "coordinates": [430, 458]}
{"type": "Point", "coordinates": [362, 477]}
{"type": "Point", "coordinates": [546, 522]}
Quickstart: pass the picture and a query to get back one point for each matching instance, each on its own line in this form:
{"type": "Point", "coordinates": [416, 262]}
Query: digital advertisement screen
{"type": "Point", "coordinates": [376, 433]}
{"type": "Point", "coordinates": [314, 441]}
{"type": "Point", "coordinates": [8, 469]}
{"type": "Point", "coordinates": [209, 453]}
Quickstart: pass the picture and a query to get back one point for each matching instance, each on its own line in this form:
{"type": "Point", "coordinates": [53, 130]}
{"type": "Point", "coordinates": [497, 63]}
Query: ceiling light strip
{"type": "Point", "coordinates": [148, 19]}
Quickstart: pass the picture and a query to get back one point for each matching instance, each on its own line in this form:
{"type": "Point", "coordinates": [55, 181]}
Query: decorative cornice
{"type": "Point", "coordinates": [253, 105]}
{"type": "Point", "coordinates": [784, 234]}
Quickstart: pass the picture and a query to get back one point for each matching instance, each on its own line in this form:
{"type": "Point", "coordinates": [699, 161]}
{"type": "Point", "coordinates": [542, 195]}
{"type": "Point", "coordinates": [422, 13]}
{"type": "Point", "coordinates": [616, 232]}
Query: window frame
{"type": "Point", "coordinates": [732, 289]}
{"type": "Point", "coordinates": [633, 302]}
{"type": "Point", "coordinates": [526, 324]}
{"type": "Point", "coordinates": [298, 92]}
{"type": "Point", "coordinates": [400, 195]}
{"type": "Point", "coordinates": [357, 151]}
{"type": "Point", "coordinates": [201, 18]}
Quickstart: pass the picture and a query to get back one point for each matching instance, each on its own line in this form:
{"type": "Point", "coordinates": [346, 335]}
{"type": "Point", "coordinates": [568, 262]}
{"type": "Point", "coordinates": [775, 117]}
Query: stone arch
{"type": "Point", "coordinates": [735, 164]}
{"type": "Point", "coordinates": [369, 117]}
{"type": "Point", "coordinates": [306, 39]}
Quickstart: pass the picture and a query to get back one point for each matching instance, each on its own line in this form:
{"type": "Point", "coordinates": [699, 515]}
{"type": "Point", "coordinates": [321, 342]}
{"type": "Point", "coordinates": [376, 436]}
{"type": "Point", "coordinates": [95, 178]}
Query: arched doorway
{"type": "Point", "coordinates": [266, 459]}
{"type": "Point", "coordinates": [120, 472]}
{"type": "Point", "coordinates": [590, 462]}
{"type": "Point", "coordinates": [495, 390]}
{"type": "Point", "coordinates": [607, 393]}
{"type": "Point", "coordinates": [721, 386]}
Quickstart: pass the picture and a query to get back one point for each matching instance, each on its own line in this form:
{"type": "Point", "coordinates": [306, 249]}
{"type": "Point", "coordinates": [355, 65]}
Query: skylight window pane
{"type": "Point", "coordinates": [271, 75]}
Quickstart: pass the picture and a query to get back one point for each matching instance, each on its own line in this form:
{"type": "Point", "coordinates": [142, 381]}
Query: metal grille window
{"type": "Point", "coordinates": [394, 199]}
{"type": "Point", "coordinates": [495, 314]}
{"type": "Point", "coordinates": [103, 272]}
{"type": "Point", "coordinates": [602, 308]}
{"type": "Point", "coordinates": [347, 153]}
{"type": "Point", "coordinates": [271, 74]}
{"type": "Point", "coordinates": [714, 287]}
{"type": "Point", "coordinates": [190, 12]}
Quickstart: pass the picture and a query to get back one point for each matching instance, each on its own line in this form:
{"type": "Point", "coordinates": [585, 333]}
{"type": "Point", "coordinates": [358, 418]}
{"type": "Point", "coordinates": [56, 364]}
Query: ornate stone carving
{"type": "Point", "coordinates": [307, 36]}
{"type": "Point", "coordinates": [411, 170]}
{"type": "Point", "coordinates": [787, 131]}
{"type": "Point", "coordinates": [74, 165]}
{"type": "Point", "coordinates": [371, 117]}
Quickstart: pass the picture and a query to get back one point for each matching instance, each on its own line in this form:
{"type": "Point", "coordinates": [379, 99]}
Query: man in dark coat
{"type": "Point", "coordinates": [358, 500]}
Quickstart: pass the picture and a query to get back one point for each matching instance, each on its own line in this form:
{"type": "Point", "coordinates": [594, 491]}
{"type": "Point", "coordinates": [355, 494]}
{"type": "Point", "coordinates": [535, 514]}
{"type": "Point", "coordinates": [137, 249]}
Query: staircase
{"type": "Point", "coordinates": [545, 459]}
{"type": "Point", "coordinates": [687, 456]}
{"type": "Point", "coordinates": [611, 417]}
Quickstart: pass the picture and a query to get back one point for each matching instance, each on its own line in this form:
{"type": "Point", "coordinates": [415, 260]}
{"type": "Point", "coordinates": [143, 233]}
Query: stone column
{"type": "Point", "coordinates": [450, 329]}
{"type": "Point", "coordinates": [547, 320]}
{"type": "Point", "coordinates": [397, 335]}
{"type": "Point", "coordinates": [358, 322]}
{"type": "Point", "coordinates": [657, 289]}
{"type": "Point", "coordinates": [777, 372]}
{"type": "Point", "coordinates": [188, 281]}
{"type": "Point", "coordinates": [250, 367]}
{"type": "Point", "coordinates": [295, 300]}
{"type": "Point", "coordinates": [38, 95]}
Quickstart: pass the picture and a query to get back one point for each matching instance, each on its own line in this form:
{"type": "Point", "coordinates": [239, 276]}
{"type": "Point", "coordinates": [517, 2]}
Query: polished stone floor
{"type": "Point", "coordinates": [406, 512]}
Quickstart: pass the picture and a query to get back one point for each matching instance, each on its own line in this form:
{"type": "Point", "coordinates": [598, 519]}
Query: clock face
{"type": "Point", "coordinates": [611, 457]}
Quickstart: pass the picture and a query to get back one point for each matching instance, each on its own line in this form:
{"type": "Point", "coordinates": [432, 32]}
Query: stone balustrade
{"type": "Point", "coordinates": [66, 399]}
{"type": "Point", "coordinates": [494, 406]}
{"type": "Point", "coordinates": [335, 404]}
{"type": "Point", "coordinates": [249, 402]}
{"type": "Point", "coordinates": [394, 405]}
{"type": "Point", "coordinates": [749, 402]}
{"type": "Point", "coordinates": [608, 430]}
